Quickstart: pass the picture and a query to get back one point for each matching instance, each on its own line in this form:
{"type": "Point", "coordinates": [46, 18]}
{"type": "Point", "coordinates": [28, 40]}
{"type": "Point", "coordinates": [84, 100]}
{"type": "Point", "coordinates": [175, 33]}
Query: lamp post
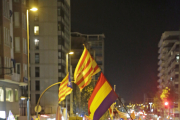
{"type": "Point", "coordinates": [67, 73]}
{"type": "Point", "coordinates": [28, 100]}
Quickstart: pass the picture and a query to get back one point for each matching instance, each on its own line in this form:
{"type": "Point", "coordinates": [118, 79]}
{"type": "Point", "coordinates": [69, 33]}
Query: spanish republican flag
{"type": "Point", "coordinates": [65, 88]}
{"type": "Point", "coordinates": [102, 97]}
{"type": "Point", "coordinates": [85, 69]}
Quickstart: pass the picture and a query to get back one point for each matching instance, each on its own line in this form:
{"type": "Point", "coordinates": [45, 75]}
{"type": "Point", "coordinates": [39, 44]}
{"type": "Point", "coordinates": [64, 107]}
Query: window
{"type": "Point", "coordinates": [36, 30]}
{"type": "Point", "coordinates": [18, 68]}
{"type": "Point", "coordinates": [9, 95]}
{"type": "Point", "coordinates": [16, 95]}
{"type": "Point", "coordinates": [37, 97]}
{"type": "Point", "coordinates": [16, 19]}
{"type": "Point", "coordinates": [0, 34]}
{"type": "Point", "coordinates": [1, 94]}
{"type": "Point", "coordinates": [17, 44]}
{"type": "Point", "coordinates": [36, 42]}
{"type": "Point", "coordinates": [59, 26]}
{"type": "Point", "coordinates": [0, 66]}
{"type": "Point", "coordinates": [36, 57]}
{"type": "Point", "coordinates": [37, 72]}
{"type": "Point", "coordinates": [62, 69]}
{"type": "Point", "coordinates": [4, 34]}
{"type": "Point", "coordinates": [59, 67]}
{"type": "Point", "coordinates": [36, 16]}
{"type": "Point", "coordinates": [25, 70]}
{"type": "Point", "coordinates": [176, 76]}
{"type": "Point", "coordinates": [59, 54]}
{"type": "Point", "coordinates": [37, 85]}
{"type": "Point", "coordinates": [59, 11]}
{"type": "Point", "coordinates": [23, 21]}
{"type": "Point", "coordinates": [60, 41]}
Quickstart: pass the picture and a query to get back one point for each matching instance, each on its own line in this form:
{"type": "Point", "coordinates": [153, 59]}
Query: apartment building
{"type": "Point", "coordinates": [96, 43]}
{"type": "Point", "coordinates": [169, 68]}
{"type": "Point", "coordinates": [13, 57]}
{"type": "Point", "coordinates": [49, 44]}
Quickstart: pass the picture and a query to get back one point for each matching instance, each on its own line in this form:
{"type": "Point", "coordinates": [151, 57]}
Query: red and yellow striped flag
{"type": "Point", "coordinates": [122, 114]}
{"type": "Point", "coordinates": [85, 69]}
{"type": "Point", "coordinates": [64, 88]}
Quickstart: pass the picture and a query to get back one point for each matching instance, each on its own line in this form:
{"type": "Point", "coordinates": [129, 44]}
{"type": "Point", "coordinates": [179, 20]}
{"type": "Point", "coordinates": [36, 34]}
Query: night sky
{"type": "Point", "coordinates": [132, 31]}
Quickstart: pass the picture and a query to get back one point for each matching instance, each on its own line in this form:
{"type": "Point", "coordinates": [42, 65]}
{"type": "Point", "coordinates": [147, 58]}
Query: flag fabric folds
{"type": "Point", "coordinates": [122, 114]}
{"type": "Point", "coordinates": [65, 88]}
{"type": "Point", "coordinates": [110, 113]}
{"type": "Point", "coordinates": [85, 69]}
{"type": "Point", "coordinates": [101, 98]}
{"type": "Point", "coordinates": [133, 115]}
{"type": "Point", "coordinates": [86, 117]}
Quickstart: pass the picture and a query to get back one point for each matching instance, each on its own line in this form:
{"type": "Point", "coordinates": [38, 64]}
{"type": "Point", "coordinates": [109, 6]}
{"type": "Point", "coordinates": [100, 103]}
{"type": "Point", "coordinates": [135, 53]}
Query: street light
{"type": "Point", "coordinates": [28, 101]}
{"type": "Point", "coordinates": [71, 53]}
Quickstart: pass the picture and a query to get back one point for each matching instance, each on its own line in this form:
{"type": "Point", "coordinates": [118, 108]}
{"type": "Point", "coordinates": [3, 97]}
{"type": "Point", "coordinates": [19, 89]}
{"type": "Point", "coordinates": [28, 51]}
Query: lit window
{"type": "Point", "coordinates": [1, 94]}
{"type": "Point", "coordinates": [177, 57]}
{"type": "Point", "coordinates": [9, 94]}
{"type": "Point", "coordinates": [16, 95]}
{"type": "Point", "coordinates": [16, 19]}
{"type": "Point", "coordinates": [36, 42]}
{"type": "Point", "coordinates": [36, 30]}
{"type": "Point", "coordinates": [17, 44]}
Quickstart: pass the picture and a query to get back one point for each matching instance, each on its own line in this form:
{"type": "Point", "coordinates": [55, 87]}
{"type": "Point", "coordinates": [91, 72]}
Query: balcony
{"type": "Point", "coordinates": [16, 77]}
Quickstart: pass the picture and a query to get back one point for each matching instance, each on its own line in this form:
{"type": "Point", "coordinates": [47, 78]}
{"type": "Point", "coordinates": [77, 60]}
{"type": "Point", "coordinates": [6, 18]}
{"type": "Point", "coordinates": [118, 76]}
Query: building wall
{"type": "Point", "coordinates": [53, 27]}
{"type": "Point", "coordinates": [169, 66]}
{"type": "Point", "coordinates": [10, 80]}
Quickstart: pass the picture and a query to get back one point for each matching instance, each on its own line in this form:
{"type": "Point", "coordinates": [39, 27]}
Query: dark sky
{"type": "Point", "coordinates": [132, 29]}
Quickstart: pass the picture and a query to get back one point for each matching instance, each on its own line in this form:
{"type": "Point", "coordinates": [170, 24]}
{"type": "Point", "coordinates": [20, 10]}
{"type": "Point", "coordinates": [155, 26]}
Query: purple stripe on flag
{"type": "Point", "coordinates": [107, 102]}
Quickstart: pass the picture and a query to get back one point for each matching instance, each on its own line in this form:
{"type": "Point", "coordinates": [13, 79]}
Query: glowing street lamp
{"type": "Point", "coordinates": [28, 101]}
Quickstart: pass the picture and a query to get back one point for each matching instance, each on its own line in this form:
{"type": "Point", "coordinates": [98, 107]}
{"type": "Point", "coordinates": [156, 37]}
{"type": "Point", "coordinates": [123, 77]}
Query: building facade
{"type": "Point", "coordinates": [13, 57]}
{"type": "Point", "coordinates": [169, 69]}
{"type": "Point", "coordinates": [49, 44]}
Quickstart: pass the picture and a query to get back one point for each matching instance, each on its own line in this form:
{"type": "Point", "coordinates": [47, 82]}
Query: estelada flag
{"type": "Point", "coordinates": [85, 69]}
{"type": "Point", "coordinates": [101, 98]}
{"type": "Point", "coordinates": [65, 88]}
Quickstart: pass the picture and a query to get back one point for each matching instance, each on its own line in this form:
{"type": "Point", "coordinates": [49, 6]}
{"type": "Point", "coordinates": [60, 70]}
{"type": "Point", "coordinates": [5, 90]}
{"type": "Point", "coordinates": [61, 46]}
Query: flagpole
{"type": "Point", "coordinates": [124, 107]}
{"type": "Point", "coordinates": [66, 73]}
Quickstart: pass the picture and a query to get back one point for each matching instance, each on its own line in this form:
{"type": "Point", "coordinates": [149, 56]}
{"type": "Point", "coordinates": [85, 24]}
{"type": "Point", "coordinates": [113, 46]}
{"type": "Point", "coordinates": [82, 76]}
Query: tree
{"type": "Point", "coordinates": [85, 95]}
